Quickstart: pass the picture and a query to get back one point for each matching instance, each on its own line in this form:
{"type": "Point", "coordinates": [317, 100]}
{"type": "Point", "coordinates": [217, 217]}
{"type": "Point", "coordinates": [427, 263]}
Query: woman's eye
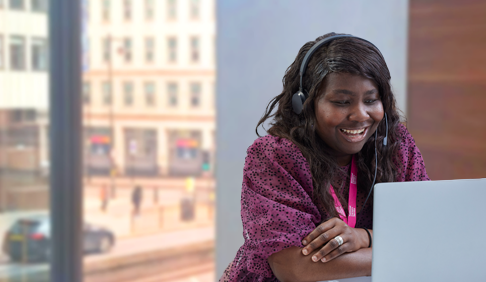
{"type": "Point", "coordinates": [371, 101]}
{"type": "Point", "coordinates": [343, 102]}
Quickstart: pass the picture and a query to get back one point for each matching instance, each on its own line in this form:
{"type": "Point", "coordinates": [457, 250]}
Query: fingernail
{"type": "Point", "coordinates": [304, 242]}
{"type": "Point", "coordinates": [314, 258]}
{"type": "Point", "coordinates": [305, 252]}
{"type": "Point", "coordinates": [323, 259]}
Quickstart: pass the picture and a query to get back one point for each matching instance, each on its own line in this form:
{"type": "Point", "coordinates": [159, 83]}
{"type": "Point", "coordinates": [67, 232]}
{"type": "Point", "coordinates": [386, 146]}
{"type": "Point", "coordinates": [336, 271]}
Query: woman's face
{"type": "Point", "coordinates": [347, 112]}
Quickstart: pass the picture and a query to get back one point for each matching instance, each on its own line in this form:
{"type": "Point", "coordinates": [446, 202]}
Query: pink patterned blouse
{"type": "Point", "coordinates": [276, 206]}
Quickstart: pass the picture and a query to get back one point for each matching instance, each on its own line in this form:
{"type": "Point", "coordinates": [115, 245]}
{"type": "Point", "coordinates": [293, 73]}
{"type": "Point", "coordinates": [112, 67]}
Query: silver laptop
{"type": "Point", "coordinates": [429, 231]}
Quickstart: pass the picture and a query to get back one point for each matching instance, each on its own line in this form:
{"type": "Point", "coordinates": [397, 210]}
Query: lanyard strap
{"type": "Point", "coordinates": [353, 192]}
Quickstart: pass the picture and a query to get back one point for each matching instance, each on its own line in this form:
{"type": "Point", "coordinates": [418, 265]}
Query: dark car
{"type": "Point", "coordinates": [28, 239]}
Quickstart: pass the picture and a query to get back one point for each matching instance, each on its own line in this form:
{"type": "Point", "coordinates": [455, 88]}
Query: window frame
{"type": "Point", "coordinates": [65, 116]}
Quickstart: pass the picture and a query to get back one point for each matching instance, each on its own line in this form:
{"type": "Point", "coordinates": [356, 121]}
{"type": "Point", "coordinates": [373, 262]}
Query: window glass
{"type": "Point", "coordinates": [24, 144]}
{"type": "Point", "coordinates": [195, 49]}
{"type": "Point", "coordinates": [172, 48]}
{"type": "Point", "coordinates": [39, 54]}
{"type": "Point", "coordinates": [106, 47]}
{"type": "Point", "coordinates": [127, 49]}
{"type": "Point", "coordinates": [172, 90]}
{"type": "Point", "coordinates": [127, 10]}
{"type": "Point", "coordinates": [149, 9]}
{"type": "Point", "coordinates": [195, 94]}
{"type": "Point", "coordinates": [195, 9]}
{"type": "Point", "coordinates": [149, 49]}
{"type": "Point", "coordinates": [17, 4]}
{"type": "Point", "coordinates": [106, 92]}
{"type": "Point", "coordinates": [86, 93]}
{"type": "Point", "coordinates": [38, 5]}
{"type": "Point", "coordinates": [171, 9]}
{"type": "Point", "coordinates": [149, 93]}
{"type": "Point", "coordinates": [17, 52]}
{"type": "Point", "coordinates": [148, 145]}
{"type": "Point", "coordinates": [128, 93]}
{"type": "Point", "coordinates": [105, 11]}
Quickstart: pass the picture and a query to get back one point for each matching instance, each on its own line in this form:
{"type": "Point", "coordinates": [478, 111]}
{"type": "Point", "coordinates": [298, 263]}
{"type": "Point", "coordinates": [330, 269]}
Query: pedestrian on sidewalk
{"type": "Point", "coordinates": [137, 197]}
{"type": "Point", "coordinates": [104, 197]}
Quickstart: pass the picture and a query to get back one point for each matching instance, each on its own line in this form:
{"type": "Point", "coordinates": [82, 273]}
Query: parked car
{"type": "Point", "coordinates": [29, 239]}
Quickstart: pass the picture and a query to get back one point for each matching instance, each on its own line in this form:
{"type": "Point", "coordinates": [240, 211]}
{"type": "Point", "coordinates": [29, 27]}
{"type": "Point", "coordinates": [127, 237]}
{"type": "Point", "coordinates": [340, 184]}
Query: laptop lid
{"type": "Point", "coordinates": [429, 231]}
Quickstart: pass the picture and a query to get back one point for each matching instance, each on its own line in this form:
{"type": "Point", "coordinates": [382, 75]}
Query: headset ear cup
{"type": "Point", "coordinates": [298, 100]}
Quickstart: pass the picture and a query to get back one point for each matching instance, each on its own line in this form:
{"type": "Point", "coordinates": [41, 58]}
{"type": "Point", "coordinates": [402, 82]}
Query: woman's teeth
{"type": "Point", "coordinates": [359, 131]}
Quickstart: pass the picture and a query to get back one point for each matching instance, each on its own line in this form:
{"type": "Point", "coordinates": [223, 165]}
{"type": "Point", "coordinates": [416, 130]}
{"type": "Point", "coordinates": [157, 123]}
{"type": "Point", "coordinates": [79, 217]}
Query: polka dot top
{"type": "Point", "coordinates": [276, 201]}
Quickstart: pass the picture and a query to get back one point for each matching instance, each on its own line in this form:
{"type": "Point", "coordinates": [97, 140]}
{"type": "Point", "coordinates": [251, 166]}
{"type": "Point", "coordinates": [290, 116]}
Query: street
{"type": "Point", "coordinates": [158, 238]}
{"type": "Point", "coordinates": [124, 250]}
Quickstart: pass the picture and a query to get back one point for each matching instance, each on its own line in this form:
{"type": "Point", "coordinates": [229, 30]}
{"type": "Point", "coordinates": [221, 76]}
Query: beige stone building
{"type": "Point", "coordinates": [149, 84]}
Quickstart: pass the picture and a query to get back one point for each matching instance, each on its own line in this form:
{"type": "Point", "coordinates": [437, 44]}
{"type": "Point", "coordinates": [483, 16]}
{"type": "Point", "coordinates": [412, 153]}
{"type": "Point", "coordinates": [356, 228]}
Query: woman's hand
{"type": "Point", "coordinates": [323, 237]}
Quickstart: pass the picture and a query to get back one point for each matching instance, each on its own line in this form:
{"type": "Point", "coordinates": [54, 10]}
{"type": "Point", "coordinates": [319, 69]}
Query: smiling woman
{"type": "Point", "coordinates": [305, 185]}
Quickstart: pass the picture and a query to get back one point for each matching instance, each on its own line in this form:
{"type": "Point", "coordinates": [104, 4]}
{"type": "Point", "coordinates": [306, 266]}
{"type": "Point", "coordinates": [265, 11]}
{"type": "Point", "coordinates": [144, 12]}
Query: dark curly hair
{"type": "Point", "coordinates": [342, 55]}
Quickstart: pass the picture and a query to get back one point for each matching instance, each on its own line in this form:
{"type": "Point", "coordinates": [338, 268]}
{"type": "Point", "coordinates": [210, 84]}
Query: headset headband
{"type": "Point", "coordinates": [316, 46]}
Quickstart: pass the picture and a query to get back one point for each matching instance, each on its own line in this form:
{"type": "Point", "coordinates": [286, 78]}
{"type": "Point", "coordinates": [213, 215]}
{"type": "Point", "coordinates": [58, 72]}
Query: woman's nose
{"type": "Point", "coordinates": [359, 113]}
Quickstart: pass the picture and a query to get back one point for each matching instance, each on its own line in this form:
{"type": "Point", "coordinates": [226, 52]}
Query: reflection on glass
{"type": "Point", "coordinates": [25, 229]}
{"type": "Point", "coordinates": [149, 123]}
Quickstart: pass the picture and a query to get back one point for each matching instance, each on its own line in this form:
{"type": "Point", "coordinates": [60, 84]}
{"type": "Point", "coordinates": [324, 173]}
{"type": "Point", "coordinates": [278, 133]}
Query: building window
{"type": "Point", "coordinates": [106, 92]}
{"type": "Point", "coordinates": [149, 93]}
{"type": "Point", "coordinates": [105, 11]}
{"type": "Point", "coordinates": [86, 93]}
{"type": "Point", "coordinates": [38, 5]}
{"type": "Point", "coordinates": [17, 4]}
{"type": "Point", "coordinates": [171, 9]}
{"type": "Point", "coordinates": [194, 49]}
{"type": "Point", "coordinates": [172, 90]}
{"type": "Point", "coordinates": [128, 93]}
{"type": "Point", "coordinates": [149, 9]}
{"type": "Point", "coordinates": [127, 9]}
{"type": "Point", "coordinates": [149, 49]}
{"type": "Point", "coordinates": [39, 54]}
{"type": "Point", "coordinates": [195, 9]}
{"type": "Point", "coordinates": [195, 94]}
{"type": "Point", "coordinates": [106, 47]}
{"type": "Point", "coordinates": [172, 45]}
{"type": "Point", "coordinates": [17, 53]}
{"type": "Point", "coordinates": [1, 51]}
{"type": "Point", "coordinates": [127, 49]}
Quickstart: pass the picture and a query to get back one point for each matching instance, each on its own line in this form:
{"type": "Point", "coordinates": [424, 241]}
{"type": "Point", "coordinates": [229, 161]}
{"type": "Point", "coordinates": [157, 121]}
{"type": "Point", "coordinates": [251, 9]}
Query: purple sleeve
{"type": "Point", "coordinates": [276, 207]}
{"type": "Point", "coordinates": [409, 160]}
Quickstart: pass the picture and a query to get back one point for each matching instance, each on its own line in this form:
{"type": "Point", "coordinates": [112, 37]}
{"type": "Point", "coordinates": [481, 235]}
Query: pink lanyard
{"type": "Point", "coordinates": [353, 191]}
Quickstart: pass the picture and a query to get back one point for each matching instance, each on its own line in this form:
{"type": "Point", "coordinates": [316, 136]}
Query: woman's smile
{"type": "Point", "coordinates": [354, 135]}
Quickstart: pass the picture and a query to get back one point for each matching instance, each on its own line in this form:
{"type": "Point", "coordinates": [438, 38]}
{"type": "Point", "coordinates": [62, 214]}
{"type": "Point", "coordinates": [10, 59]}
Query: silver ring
{"type": "Point", "coordinates": [339, 239]}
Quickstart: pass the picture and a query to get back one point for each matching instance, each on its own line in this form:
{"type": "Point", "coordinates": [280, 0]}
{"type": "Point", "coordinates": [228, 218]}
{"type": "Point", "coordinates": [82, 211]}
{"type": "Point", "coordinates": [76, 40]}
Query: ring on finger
{"type": "Point", "coordinates": [339, 239]}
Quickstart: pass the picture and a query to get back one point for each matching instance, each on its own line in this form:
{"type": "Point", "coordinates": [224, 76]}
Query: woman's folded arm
{"type": "Point", "coordinates": [291, 265]}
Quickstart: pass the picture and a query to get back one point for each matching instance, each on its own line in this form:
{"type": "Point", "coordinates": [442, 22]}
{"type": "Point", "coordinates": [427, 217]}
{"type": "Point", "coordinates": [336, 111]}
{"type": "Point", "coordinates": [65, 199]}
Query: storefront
{"type": "Point", "coordinates": [185, 154]}
{"type": "Point", "coordinates": [97, 151]}
{"type": "Point", "coordinates": [141, 152]}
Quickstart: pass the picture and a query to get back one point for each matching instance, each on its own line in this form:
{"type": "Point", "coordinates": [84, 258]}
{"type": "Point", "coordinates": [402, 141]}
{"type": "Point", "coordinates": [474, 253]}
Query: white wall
{"type": "Point", "coordinates": [257, 41]}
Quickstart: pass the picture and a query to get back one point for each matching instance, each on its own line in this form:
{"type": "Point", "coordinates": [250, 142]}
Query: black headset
{"type": "Point", "coordinates": [299, 98]}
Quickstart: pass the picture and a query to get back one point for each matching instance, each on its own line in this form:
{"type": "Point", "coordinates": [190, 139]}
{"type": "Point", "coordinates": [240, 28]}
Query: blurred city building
{"type": "Point", "coordinates": [24, 156]}
{"type": "Point", "coordinates": [148, 90]}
